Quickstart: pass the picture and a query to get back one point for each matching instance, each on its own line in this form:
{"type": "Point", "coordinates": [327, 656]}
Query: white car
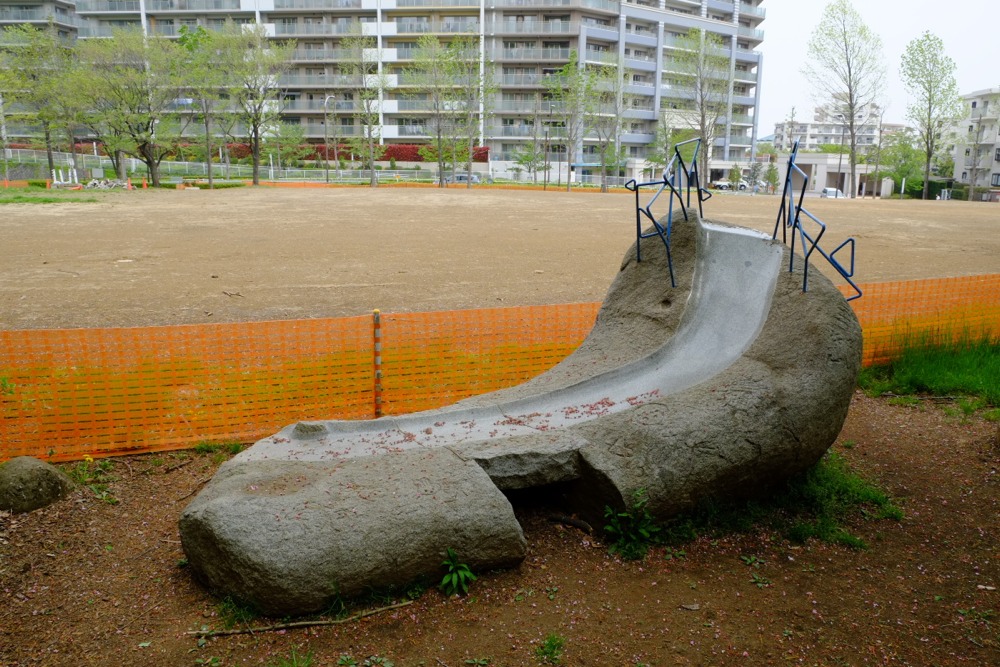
{"type": "Point", "coordinates": [832, 193]}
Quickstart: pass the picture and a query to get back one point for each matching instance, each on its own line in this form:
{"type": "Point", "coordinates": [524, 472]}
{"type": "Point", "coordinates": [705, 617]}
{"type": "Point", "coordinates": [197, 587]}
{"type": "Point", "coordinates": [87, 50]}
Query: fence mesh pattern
{"type": "Point", "coordinates": [69, 392]}
{"type": "Point", "coordinates": [896, 314]}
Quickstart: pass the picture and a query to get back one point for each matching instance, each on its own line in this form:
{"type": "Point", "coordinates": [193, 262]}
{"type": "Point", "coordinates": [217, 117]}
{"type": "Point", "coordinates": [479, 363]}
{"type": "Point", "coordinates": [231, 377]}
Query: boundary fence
{"type": "Point", "coordinates": [65, 393]}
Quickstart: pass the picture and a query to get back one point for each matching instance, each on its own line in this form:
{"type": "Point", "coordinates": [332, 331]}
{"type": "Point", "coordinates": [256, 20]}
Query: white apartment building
{"type": "Point", "coordinates": [828, 127]}
{"type": "Point", "coordinates": [523, 41]}
{"type": "Point", "coordinates": [977, 144]}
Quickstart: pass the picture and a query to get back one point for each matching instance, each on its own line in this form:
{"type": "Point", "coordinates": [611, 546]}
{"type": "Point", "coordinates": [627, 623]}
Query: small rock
{"type": "Point", "coordinates": [28, 484]}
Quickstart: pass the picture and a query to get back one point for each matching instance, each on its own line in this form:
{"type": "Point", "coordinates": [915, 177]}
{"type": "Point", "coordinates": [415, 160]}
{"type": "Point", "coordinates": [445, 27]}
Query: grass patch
{"type": "Point", "coordinates": [42, 196]}
{"type": "Point", "coordinates": [814, 504]}
{"type": "Point", "coordinates": [968, 368]}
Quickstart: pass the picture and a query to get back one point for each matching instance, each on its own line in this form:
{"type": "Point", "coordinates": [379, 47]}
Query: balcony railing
{"type": "Point", "coordinates": [192, 5]}
{"type": "Point", "coordinates": [317, 4]}
{"type": "Point", "coordinates": [102, 6]}
{"type": "Point", "coordinates": [532, 53]}
{"type": "Point", "coordinates": [538, 27]}
{"type": "Point", "coordinates": [423, 27]}
{"type": "Point", "coordinates": [754, 11]}
{"type": "Point", "coordinates": [437, 3]}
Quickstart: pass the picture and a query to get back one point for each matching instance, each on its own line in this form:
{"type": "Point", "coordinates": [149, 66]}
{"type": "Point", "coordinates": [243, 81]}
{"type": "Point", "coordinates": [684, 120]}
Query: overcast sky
{"type": "Point", "coordinates": [970, 30]}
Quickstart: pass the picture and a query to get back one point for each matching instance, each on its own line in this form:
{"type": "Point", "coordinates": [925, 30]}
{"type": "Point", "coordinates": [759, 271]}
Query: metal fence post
{"type": "Point", "coordinates": [377, 362]}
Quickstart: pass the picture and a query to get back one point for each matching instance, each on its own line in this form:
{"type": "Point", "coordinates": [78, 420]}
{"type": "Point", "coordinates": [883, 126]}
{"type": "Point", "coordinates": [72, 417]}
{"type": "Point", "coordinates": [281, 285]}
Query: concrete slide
{"type": "Point", "coordinates": [725, 385]}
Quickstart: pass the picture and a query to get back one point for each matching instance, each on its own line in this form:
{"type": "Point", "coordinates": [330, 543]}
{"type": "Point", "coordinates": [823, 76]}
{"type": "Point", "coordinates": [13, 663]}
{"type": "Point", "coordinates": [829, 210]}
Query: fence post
{"type": "Point", "coordinates": [377, 362]}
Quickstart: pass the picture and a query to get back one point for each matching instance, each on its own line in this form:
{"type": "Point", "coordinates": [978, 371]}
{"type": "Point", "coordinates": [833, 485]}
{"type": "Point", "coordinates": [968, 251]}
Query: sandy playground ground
{"type": "Point", "coordinates": [174, 257]}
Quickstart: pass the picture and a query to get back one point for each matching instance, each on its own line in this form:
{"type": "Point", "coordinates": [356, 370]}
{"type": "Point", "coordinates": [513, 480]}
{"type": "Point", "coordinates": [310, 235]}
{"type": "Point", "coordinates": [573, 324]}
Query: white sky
{"type": "Point", "coordinates": [969, 29]}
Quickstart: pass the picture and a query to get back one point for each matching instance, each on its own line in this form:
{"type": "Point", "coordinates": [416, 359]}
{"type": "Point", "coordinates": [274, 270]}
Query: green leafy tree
{"type": "Point", "coordinates": [847, 67]}
{"type": "Point", "coordinates": [571, 91]}
{"type": "Point", "coordinates": [929, 75]}
{"type": "Point", "coordinates": [609, 102]}
{"type": "Point", "coordinates": [40, 67]}
{"type": "Point", "coordinates": [133, 83]}
{"type": "Point", "coordinates": [701, 66]}
{"type": "Point", "coordinates": [363, 68]}
{"type": "Point", "coordinates": [901, 159]}
{"type": "Point", "coordinates": [253, 65]}
{"type": "Point", "coordinates": [474, 87]}
{"type": "Point", "coordinates": [735, 176]}
{"type": "Point", "coordinates": [289, 141]}
{"type": "Point", "coordinates": [430, 78]}
{"type": "Point", "coordinates": [206, 82]}
{"type": "Point", "coordinates": [771, 177]}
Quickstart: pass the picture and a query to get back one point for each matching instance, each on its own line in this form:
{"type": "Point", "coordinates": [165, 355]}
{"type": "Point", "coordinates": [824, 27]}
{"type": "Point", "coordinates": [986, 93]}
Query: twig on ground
{"type": "Point", "coordinates": [194, 490]}
{"type": "Point", "coordinates": [570, 521]}
{"type": "Point", "coordinates": [178, 466]}
{"type": "Point", "coordinates": [298, 624]}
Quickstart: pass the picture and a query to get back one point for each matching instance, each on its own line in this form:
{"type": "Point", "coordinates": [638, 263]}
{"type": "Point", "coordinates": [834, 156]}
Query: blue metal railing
{"type": "Point", "coordinates": [790, 217]}
{"type": "Point", "coordinates": [679, 177]}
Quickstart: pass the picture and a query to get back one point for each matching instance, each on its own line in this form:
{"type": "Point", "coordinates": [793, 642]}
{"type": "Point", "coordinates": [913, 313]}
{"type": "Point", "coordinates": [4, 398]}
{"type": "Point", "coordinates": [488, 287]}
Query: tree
{"type": "Point", "coordinates": [474, 87]}
{"type": "Point", "coordinates": [433, 81]}
{"type": "Point", "coordinates": [847, 68]}
{"type": "Point", "coordinates": [206, 82]}
{"type": "Point", "coordinates": [668, 134]}
{"type": "Point", "coordinates": [570, 91]}
{"type": "Point", "coordinates": [929, 75]}
{"type": "Point", "coordinates": [253, 67]}
{"type": "Point", "coordinates": [133, 83]}
{"type": "Point", "coordinates": [702, 67]}
{"type": "Point", "coordinates": [363, 68]}
{"type": "Point", "coordinates": [771, 177]}
{"type": "Point", "coordinates": [604, 118]}
{"type": "Point", "coordinates": [40, 66]}
{"type": "Point", "coordinates": [901, 157]}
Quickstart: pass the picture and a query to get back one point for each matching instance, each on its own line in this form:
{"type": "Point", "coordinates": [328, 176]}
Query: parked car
{"type": "Point", "coordinates": [726, 185]}
{"type": "Point", "coordinates": [831, 192]}
{"type": "Point", "coordinates": [462, 178]}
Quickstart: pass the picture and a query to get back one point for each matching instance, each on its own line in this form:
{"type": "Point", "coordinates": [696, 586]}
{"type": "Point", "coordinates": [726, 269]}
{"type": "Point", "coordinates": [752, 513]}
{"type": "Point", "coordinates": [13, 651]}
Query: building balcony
{"type": "Point", "coordinates": [534, 27]}
{"type": "Point", "coordinates": [192, 5]}
{"type": "Point", "coordinates": [434, 27]}
{"type": "Point", "coordinates": [532, 54]}
{"type": "Point", "coordinates": [107, 6]}
{"type": "Point", "coordinates": [437, 3]}
{"type": "Point", "coordinates": [316, 4]}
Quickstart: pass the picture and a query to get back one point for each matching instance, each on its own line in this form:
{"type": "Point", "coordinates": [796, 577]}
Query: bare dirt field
{"type": "Point", "coordinates": [169, 257]}
{"type": "Point", "coordinates": [88, 582]}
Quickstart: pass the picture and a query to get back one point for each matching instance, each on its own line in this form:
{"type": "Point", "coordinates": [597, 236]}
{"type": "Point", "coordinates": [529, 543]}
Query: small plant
{"type": "Point", "coordinates": [632, 531]}
{"type": "Point", "coordinates": [294, 660]}
{"type": "Point", "coordinates": [95, 476]}
{"type": "Point", "coordinates": [6, 386]}
{"type": "Point", "coordinates": [759, 581]}
{"type": "Point", "coordinates": [458, 576]}
{"type": "Point", "coordinates": [904, 401]}
{"type": "Point", "coordinates": [346, 661]}
{"type": "Point", "coordinates": [523, 593]}
{"type": "Point", "coordinates": [674, 554]}
{"type": "Point", "coordinates": [551, 591]}
{"type": "Point", "coordinates": [550, 651]}
{"type": "Point", "coordinates": [752, 561]}
{"type": "Point", "coordinates": [232, 613]}
{"type": "Point", "coordinates": [376, 661]}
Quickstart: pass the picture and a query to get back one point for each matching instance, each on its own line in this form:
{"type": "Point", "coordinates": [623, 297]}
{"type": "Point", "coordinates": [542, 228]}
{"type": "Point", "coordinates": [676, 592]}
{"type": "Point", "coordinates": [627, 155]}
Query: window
{"type": "Point", "coordinates": [995, 181]}
{"type": "Point", "coordinates": [997, 155]}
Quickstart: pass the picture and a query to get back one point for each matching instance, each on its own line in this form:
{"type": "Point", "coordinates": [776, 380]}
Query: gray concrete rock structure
{"type": "Point", "coordinates": [724, 385]}
{"type": "Point", "coordinates": [27, 484]}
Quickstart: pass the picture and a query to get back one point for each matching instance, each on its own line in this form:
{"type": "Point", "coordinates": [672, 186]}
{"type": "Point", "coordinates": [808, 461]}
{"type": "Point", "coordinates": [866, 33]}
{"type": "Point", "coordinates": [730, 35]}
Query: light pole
{"type": "Point", "coordinates": [840, 162]}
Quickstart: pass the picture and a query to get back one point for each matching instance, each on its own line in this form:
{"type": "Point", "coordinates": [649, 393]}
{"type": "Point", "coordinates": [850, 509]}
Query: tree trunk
{"type": "Point", "coordinates": [255, 152]}
{"type": "Point", "coordinates": [208, 147]}
{"type": "Point", "coordinates": [927, 178]}
{"type": "Point", "coordinates": [48, 148]}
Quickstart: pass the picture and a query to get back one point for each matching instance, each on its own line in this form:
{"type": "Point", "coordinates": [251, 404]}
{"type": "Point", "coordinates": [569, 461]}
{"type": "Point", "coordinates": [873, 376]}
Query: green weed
{"type": "Point", "coordinates": [813, 504]}
{"type": "Point", "coordinates": [95, 476]}
{"type": "Point", "coordinates": [458, 576]}
{"type": "Point", "coordinates": [233, 613]}
{"type": "Point", "coordinates": [294, 660]}
{"type": "Point", "coordinates": [968, 367]}
{"type": "Point", "coordinates": [632, 531]}
{"type": "Point", "coordinates": [550, 651]}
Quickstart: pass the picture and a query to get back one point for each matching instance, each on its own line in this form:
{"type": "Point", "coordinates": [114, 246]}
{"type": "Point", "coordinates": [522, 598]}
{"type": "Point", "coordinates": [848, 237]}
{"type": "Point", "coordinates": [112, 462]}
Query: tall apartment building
{"type": "Point", "coordinates": [828, 127]}
{"type": "Point", "coordinates": [523, 41]}
{"type": "Point", "coordinates": [977, 146]}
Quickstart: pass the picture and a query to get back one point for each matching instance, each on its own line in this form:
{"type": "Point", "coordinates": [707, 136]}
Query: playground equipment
{"type": "Point", "coordinates": [723, 380]}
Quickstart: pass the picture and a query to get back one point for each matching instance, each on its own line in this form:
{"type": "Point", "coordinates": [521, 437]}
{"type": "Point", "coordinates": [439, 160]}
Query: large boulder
{"type": "Point", "coordinates": [289, 537]}
{"type": "Point", "coordinates": [724, 385]}
{"type": "Point", "coordinates": [28, 484]}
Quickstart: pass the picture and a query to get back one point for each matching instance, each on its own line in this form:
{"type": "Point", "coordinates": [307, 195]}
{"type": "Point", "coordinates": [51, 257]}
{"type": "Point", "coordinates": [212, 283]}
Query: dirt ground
{"type": "Point", "coordinates": [87, 582]}
{"type": "Point", "coordinates": [168, 257]}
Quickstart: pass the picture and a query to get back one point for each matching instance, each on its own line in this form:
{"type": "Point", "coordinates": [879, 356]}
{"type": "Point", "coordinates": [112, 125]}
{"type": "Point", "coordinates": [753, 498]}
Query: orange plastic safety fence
{"type": "Point", "coordinates": [66, 393]}
{"type": "Point", "coordinates": [894, 315]}
{"type": "Point", "coordinates": [433, 359]}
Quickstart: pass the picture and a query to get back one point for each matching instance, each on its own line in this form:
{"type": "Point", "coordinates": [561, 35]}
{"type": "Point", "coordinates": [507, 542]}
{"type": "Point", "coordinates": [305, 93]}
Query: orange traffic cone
{"type": "Point", "coordinates": [128, 184]}
{"type": "Point", "coordinates": [144, 187]}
